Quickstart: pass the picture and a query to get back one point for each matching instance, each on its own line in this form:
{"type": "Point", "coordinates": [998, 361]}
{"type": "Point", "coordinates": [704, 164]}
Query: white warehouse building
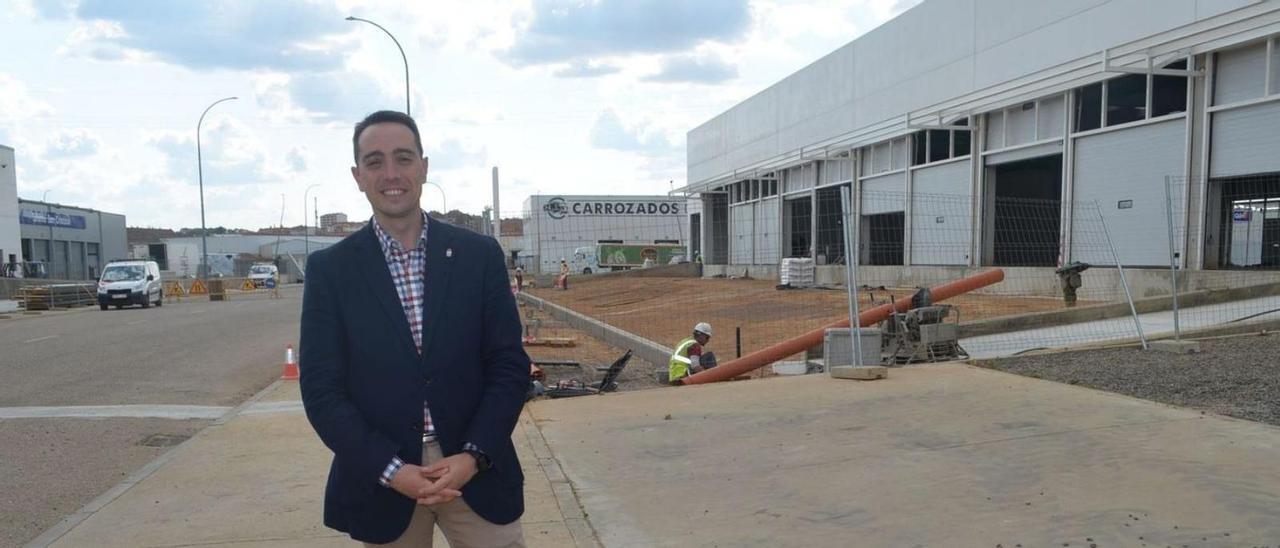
{"type": "Point", "coordinates": [975, 133]}
{"type": "Point", "coordinates": [554, 226]}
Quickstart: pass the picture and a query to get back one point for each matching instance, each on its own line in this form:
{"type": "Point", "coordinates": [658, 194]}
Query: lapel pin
{"type": "Point", "coordinates": [448, 252]}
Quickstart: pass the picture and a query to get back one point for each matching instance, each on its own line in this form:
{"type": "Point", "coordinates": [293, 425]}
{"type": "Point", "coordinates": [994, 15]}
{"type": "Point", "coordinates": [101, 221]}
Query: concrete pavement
{"type": "Point", "coordinates": [941, 455]}
{"type": "Point", "coordinates": [256, 479]}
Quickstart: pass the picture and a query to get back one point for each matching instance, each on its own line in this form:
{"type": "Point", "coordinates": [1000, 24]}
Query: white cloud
{"type": "Point", "coordinates": [284, 34]}
{"type": "Point", "coordinates": [584, 69]}
{"type": "Point", "coordinates": [560, 31]}
{"type": "Point", "coordinates": [696, 69]}
{"type": "Point", "coordinates": [453, 154]}
{"type": "Point", "coordinates": [297, 159]}
{"type": "Point", "coordinates": [71, 144]}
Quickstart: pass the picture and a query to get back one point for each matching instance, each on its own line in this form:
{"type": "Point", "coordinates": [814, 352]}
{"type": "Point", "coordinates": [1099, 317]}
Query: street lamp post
{"type": "Point", "coordinates": [444, 202]}
{"type": "Point", "coordinates": [203, 268]}
{"type": "Point", "coordinates": [306, 240]}
{"type": "Point", "coordinates": [402, 56]}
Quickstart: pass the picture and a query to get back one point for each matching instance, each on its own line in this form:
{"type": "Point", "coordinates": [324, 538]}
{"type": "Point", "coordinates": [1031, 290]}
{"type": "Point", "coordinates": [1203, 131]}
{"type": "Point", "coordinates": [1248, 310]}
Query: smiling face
{"type": "Point", "coordinates": [390, 170]}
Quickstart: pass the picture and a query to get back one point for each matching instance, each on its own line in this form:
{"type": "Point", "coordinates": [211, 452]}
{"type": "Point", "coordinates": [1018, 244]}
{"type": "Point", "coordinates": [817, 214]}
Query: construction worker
{"type": "Point", "coordinates": [563, 280]}
{"type": "Point", "coordinates": [519, 279]}
{"type": "Point", "coordinates": [689, 357]}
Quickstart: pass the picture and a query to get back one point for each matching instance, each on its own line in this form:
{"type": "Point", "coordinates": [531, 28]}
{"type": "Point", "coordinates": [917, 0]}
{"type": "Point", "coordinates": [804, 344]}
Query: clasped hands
{"type": "Point", "coordinates": [437, 483]}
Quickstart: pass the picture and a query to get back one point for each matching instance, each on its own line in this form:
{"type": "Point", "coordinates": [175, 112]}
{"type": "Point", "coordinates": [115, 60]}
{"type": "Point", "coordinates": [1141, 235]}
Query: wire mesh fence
{"type": "Point", "coordinates": [1238, 238]}
{"type": "Point", "coordinates": [1076, 272]}
{"type": "Point", "coordinates": [640, 271]}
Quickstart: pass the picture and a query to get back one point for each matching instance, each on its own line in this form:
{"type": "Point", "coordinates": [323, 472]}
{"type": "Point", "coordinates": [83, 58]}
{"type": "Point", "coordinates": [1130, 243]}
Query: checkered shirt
{"type": "Point", "coordinates": [407, 268]}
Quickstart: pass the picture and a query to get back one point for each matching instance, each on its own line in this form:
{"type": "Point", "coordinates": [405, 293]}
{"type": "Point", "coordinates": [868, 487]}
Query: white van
{"type": "Point", "coordinates": [259, 273]}
{"type": "Point", "coordinates": [130, 282]}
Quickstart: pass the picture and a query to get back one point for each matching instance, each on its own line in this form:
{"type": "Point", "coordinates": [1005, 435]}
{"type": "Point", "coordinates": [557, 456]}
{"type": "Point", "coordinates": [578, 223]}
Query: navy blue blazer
{"type": "Point", "coordinates": [363, 383]}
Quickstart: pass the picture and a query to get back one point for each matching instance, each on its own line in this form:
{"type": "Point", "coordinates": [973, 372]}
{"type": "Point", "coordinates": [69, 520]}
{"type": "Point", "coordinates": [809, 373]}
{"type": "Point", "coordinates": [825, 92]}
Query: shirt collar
{"type": "Point", "coordinates": [391, 245]}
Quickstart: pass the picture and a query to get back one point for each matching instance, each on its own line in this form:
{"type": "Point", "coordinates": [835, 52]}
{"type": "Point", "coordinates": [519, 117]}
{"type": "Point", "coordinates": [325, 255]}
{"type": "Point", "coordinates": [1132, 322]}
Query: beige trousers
{"type": "Point", "coordinates": [460, 525]}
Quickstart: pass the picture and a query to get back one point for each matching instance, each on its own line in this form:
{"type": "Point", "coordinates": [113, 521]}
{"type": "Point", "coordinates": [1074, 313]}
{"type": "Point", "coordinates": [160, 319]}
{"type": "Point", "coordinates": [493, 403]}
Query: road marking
{"type": "Point", "coordinates": [265, 408]}
{"type": "Point", "coordinates": [177, 412]}
{"type": "Point", "coordinates": [41, 339]}
{"type": "Point", "coordinates": [136, 322]}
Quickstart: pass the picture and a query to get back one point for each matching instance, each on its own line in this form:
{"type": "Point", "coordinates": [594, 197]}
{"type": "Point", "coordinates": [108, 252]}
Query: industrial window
{"type": "Point", "coordinates": [1169, 93]}
{"type": "Point", "coordinates": [1088, 114]}
{"type": "Point", "coordinates": [936, 145]}
{"type": "Point", "coordinates": [939, 145]}
{"type": "Point", "coordinates": [960, 140]}
{"type": "Point", "coordinates": [919, 149]}
{"type": "Point", "coordinates": [1126, 99]}
{"type": "Point", "coordinates": [770, 188]}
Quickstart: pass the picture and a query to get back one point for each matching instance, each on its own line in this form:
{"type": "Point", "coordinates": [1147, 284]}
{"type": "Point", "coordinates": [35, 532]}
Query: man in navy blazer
{"type": "Point", "coordinates": [412, 367]}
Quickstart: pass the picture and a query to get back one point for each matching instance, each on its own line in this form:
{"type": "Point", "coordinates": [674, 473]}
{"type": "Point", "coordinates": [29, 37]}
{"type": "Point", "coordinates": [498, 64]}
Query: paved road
{"type": "Point", "coordinates": [154, 377]}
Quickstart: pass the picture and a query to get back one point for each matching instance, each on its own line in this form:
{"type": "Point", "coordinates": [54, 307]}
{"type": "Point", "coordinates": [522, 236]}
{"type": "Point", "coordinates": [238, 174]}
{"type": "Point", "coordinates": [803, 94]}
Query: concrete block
{"type": "Point", "coordinates": [862, 372]}
{"type": "Point", "coordinates": [1175, 347]}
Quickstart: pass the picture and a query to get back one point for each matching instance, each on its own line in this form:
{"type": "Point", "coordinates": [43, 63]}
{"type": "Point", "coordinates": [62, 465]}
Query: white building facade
{"type": "Point", "coordinates": [995, 132]}
{"type": "Point", "coordinates": [10, 234]}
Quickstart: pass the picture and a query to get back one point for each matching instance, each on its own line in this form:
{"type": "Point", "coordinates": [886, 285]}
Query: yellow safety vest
{"type": "Point", "coordinates": [678, 367]}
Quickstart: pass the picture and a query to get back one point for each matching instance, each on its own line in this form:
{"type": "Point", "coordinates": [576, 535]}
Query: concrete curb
{"type": "Point", "coordinates": [575, 517]}
{"type": "Point", "coordinates": [641, 347]}
{"type": "Point", "coordinates": [1113, 310]}
{"type": "Point", "coordinates": [68, 523]}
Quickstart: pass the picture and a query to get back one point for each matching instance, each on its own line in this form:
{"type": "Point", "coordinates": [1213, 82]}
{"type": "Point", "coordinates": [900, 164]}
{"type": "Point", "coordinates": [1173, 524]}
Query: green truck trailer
{"type": "Point", "coordinates": [605, 257]}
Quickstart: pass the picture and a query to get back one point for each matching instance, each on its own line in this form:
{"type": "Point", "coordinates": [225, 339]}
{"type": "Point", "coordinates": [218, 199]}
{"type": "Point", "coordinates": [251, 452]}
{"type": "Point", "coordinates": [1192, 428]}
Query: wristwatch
{"type": "Point", "coordinates": [482, 460]}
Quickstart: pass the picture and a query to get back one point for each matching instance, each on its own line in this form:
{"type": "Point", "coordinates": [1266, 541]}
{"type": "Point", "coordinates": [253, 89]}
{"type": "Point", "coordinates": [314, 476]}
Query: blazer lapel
{"type": "Point", "coordinates": [373, 264]}
{"type": "Point", "coordinates": [439, 266]}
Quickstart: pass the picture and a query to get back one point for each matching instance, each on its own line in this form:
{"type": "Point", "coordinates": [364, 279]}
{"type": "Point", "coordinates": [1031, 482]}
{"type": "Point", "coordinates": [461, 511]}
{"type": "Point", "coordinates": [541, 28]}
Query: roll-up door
{"type": "Point", "coordinates": [884, 194]}
{"type": "Point", "coordinates": [741, 240]}
{"type": "Point", "coordinates": [767, 227]}
{"type": "Point", "coordinates": [1124, 172]}
{"type": "Point", "coordinates": [1246, 141]}
{"type": "Point", "coordinates": [941, 213]}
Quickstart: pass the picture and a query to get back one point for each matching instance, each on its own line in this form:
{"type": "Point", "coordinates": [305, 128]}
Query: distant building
{"type": "Point", "coordinates": [228, 252]}
{"type": "Point", "coordinates": [74, 243]}
{"type": "Point", "coordinates": [554, 226]}
{"type": "Point", "coordinates": [329, 220]}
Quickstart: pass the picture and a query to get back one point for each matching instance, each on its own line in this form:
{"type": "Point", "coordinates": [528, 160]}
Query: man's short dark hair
{"type": "Point", "coordinates": [382, 117]}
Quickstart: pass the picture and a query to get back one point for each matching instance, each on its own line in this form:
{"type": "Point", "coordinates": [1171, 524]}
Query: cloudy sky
{"type": "Point", "coordinates": [101, 97]}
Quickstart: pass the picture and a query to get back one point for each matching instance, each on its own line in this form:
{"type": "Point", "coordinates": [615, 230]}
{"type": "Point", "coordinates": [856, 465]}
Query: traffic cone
{"type": "Point", "coordinates": [290, 365]}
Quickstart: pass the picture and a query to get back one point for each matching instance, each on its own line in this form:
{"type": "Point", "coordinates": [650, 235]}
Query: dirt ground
{"type": "Point", "coordinates": [587, 351]}
{"type": "Point", "coordinates": [664, 310]}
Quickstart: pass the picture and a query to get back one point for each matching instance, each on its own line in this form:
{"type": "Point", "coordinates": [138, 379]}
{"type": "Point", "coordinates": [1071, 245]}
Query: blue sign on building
{"type": "Point", "coordinates": [43, 218]}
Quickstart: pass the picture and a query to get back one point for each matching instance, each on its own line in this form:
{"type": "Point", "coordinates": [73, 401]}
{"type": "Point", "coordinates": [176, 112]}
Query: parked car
{"type": "Point", "coordinates": [261, 272]}
{"type": "Point", "coordinates": [125, 283]}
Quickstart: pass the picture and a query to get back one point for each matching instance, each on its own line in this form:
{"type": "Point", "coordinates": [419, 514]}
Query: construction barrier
{"type": "Point", "coordinates": [48, 297]}
{"type": "Point", "coordinates": [173, 290]}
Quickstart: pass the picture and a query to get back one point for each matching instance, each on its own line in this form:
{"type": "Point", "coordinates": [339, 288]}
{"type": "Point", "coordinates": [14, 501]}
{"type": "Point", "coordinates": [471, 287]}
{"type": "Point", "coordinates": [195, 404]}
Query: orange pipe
{"type": "Point", "coordinates": [766, 356]}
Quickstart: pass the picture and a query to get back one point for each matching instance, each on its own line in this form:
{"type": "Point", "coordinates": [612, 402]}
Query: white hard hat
{"type": "Point", "coordinates": [703, 327]}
